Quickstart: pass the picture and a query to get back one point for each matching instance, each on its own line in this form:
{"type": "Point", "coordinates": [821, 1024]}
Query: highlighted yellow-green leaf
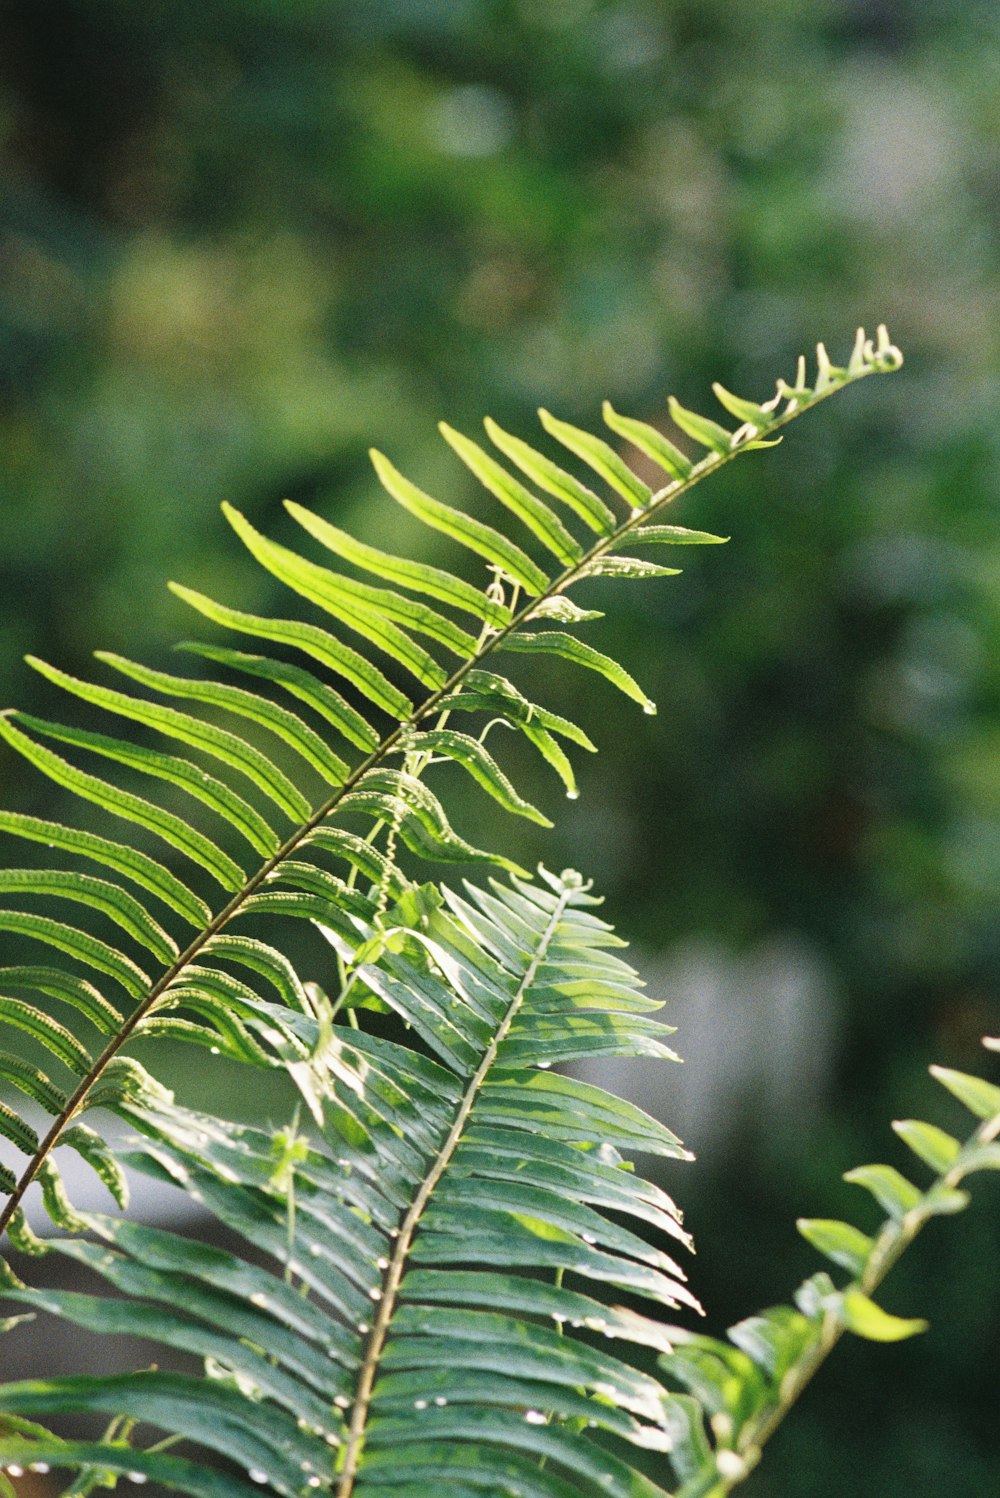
{"type": "Point", "coordinates": [602, 458]}
{"type": "Point", "coordinates": [743, 410]}
{"type": "Point", "coordinates": [981, 1098]}
{"type": "Point", "coordinates": [285, 725]}
{"type": "Point", "coordinates": [298, 683]}
{"type": "Point", "coordinates": [170, 828]}
{"type": "Point", "coordinates": [207, 789]}
{"type": "Point", "coordinates": [893, 1192]}
{"type": "Point", "coordinates": [557, 642]}
{"type": "Point", "coordinates": [838, 1241]}
{"type": "Point", "coordinates": [100, 894]}
{"type": "Point", "coordinates": [480, 538]}
{"type": "Point", "coordinates": [936, 1148]}
{"type": "Point", "coordinates": [312, 641]}
{"type": "Point", "coordinates": [77, 944]}
{"type": "Point", "coordinates": [649, 441]}
{"type": "Point", "coordinates": [528, 508]}
{"type": "Point", "coordinates": [477, 760]}
{"type": "Point", "coordinates": [863, 1317]}
{"type": "Point", "coordinates": [554, 480]}
{"type": "Point", "coordinates": [419, 577]}
{"type": "Point", "coordinates": [709, 433]}
{"type": "Point", "coordinates": [370, 612]}
{"type": "Point", "coordinates": [48, 1032]}
{"type": "Point", "coordinates": [668, 535]}
{"type": "Point", "coordinates": [217, 742]}
{"type": "Point", "coordinates": [138, 867]}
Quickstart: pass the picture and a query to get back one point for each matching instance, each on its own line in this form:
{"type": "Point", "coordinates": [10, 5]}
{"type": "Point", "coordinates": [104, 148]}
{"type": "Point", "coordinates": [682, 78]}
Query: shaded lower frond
{"type": "Point", "coordinates": [437, 1256]}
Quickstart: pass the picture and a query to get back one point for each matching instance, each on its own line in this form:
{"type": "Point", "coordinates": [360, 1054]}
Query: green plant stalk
{"type": "Point", "coordinates": [892, 1242]}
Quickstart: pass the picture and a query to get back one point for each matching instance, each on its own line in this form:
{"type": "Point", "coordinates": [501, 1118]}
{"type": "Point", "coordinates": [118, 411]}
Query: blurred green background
{"type": "Point", "coordinates": [242, 241]}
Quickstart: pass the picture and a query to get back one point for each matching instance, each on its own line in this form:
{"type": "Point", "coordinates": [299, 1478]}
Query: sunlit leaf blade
{"type": "Point", "coordinates": [424, 827]}
{"type": "Point", "coordinates": [419, 577]}
{"type": "Point", "coordinates": [862, 1316]}
{"type": "Point", "coordinates": [668, 535]}
{"type": "Point", "coordinates": [557, 642]}
{"type": "Point", "coordinates": [980, 1097]}
{"type": "Point", "coordinates": [553, 753]}
{"type": "Point", "coordinates": [774, 1339]}
{"type": "Point", "coordinates": [32, 1082]}
{"type": "Point", "coordinates": [627, 567]}
{"type": "Point", "coordinates": [543, 523]}
{"type": "Point", "coordinates": [80, 945]}
{"type": "Point", "coordinates": [368, 611]}
{"type": "Point", "coordinates": [285, 725]}
{"type": "Point", "coordinates": [207, 789]}
{"type": "Point", "coordinates": [14, 1128]}
{"type": "Point", "coordinates": [101, 1158]}
{"type": "Point", "coordinates": [130, 862]}
{"type": "Point", "coordinates": [172, 829]}
{"type": "Point", "coordinates": [480, 538]}
{"type": "Point", "coordinates": [893, 1192]}
{"type": "Point", "coordinates": [690, 1452]}
{"type": "Point", "coordinates": [744, 410]}
{"type": "Point", "coordinates": [217, 742]}
{"type": "Point", "coordinates": [55, 1198]}
{"type": "Point", "coordinates": [838, 1241]}
{"type": "Point", "coordinates": [100, 894]}
{"type": "Point", "coordinates": [554, 480]}
{"type": "Point", "coordinates": [562, 609]}
{"type": "Point", "coordinates": [48, 1032]}
{"type": "Point", "coordinates": [480, 764]}
{"type": "Point", "coordinates": [601, 458]}
{"type": "Point", "coordinates": [486, 691]}
{"type": "Point", "coordinates": [650, 442]}
{"type": "Point", "coordinates": [69, 989]}
{"type": "Point", "coordinates": [709, 433]}
{"type": "Point", "coordinates": [266, 961]}
{"type": "Point", "coordinates": [931, 1144]}
{"type": "Point", "coordinates": [370, 861]}
{"type": "Point", "coordinates": [298, 683]}
{"type": "Point", "coordinates": [312, 641]}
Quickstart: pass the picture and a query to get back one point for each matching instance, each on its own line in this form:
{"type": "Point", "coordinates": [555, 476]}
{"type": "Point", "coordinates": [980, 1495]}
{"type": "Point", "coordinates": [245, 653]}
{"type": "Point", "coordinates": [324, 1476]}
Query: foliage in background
{"type": "Point", "coordinates": [239, 242]}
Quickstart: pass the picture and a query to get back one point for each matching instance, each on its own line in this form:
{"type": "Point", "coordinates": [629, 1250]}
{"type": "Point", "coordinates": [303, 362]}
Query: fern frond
{"type": "Point", "coordinates": [436, 1163]}
{"type": "Point", "coordinates": [313, 784]}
